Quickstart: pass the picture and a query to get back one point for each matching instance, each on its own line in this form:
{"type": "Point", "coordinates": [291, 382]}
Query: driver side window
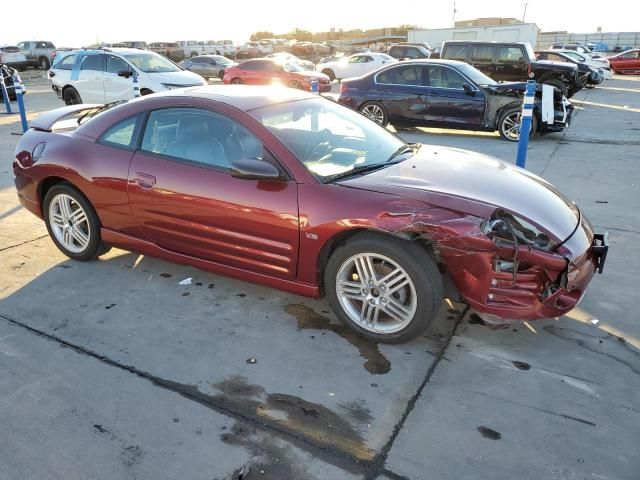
{"type": "Point", "coordinates": [115, 65]}
{"type": "Point", "coordinates": [200, 137]}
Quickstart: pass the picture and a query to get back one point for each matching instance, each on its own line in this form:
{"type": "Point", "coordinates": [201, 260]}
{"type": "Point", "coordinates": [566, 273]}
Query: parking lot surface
{"type": "Point", "coordinates": [112, 369]}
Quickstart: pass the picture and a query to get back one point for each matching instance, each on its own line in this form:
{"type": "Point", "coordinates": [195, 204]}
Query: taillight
{"type": "Point", "coordinates": [343, 88]}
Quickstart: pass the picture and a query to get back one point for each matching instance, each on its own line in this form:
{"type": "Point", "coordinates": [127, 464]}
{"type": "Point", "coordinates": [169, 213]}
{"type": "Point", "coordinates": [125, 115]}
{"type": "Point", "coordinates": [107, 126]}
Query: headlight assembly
{"type": "Point", "coordinates": [506, 227]}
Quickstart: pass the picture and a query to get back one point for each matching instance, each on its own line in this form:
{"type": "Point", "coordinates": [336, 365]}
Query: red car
{"type": "Point", "coordinates": [266, 72]}
{"type": "Point", "coordinates": [294, 191]}
{"type": "Point", "coordinates": [626, 62]}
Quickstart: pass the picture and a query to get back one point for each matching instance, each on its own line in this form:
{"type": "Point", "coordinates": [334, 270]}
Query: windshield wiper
{"type": "Point", "coordinates": [357, 171]}
{"type": "Point", "coordinates": [409, 147]}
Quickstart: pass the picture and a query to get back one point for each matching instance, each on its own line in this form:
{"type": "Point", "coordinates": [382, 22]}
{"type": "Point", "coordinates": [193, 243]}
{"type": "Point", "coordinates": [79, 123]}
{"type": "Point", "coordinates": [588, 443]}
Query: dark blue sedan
{"type": "Point", "coordinates": [450, 94]}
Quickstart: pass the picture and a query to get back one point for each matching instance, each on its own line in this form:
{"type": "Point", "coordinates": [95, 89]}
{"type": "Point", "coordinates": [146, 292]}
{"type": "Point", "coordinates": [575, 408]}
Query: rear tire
{"type": "Point", "coordinates": [396, 302]}
{"type": "Point", "coordinates": [236, 81]}
{"type": "Point", "coordinates": [44, 63]}
{"type": "Point", "coordinates": [74, 227]}
{"type": "Point", "coordinates": [376, 112]}
{"type": "Point", "coordinates": [70, 96]}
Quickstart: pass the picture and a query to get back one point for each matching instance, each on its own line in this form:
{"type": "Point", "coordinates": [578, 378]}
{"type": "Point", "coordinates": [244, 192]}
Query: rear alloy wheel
{"type": "Point", "coordinates": [375, 111]}
{"type": "Point", "coordinates": [509, 124]}
{"type": "Point", "coordinates": [71, 96]}
{"type": "Point", "coordinates": [72, 223]}
{"type": "Point", "coordinates": [384, 288]}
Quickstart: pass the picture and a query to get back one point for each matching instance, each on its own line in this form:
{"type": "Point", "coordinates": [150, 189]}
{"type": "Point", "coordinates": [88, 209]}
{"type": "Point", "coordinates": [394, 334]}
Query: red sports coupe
{"type": "Point", "coordinates": [626, 62]}
{"type": "Point", "coordinates": [264, 71]}
{"type": "Point", "coordinates": [294, 191]}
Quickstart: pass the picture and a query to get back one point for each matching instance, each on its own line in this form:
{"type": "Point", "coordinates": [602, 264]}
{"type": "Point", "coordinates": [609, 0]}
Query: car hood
{"type": "Point", "coordinates": [556, 65]}
{"type": "Point", "coordinates": [469, 178]}
{"type": "Point", "coordinates": [182, 77]}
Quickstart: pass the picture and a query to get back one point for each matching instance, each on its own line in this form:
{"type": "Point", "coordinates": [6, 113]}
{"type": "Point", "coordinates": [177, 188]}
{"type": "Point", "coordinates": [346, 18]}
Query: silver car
{"type": "Point", "coordinates": [208, 66]}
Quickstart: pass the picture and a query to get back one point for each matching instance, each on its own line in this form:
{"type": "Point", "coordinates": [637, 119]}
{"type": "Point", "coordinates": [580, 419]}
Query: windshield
{"type": "Point", "coordinates": [575, 56]}
{"type": "Point", "coordinates": [476, 75]}
{"type": "Point", "coordinates": [327, 138]}
{"type": "Point", "coordinates": [293, 67]}
{"type": "Point", "coordinates": [152, 63]}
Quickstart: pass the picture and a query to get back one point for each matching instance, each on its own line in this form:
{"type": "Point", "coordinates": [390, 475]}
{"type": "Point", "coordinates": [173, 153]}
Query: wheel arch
{"type": "Point", "coordinates": [340, 238]}
{"type": "Point", "coordinates": [47, 183]}
{"type": "Point", "coordinates": [514, 104]}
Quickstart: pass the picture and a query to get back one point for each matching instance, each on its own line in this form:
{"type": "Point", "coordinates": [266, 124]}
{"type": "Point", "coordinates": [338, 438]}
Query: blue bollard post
{"type": "Point", "coordinates": [136, 86]}
{"type": "Point", "coordinates": [5, 93]}
{"type": "Point", "coordinates": [525, 122]}
{"type": "Point", "coordinates": [315, 86]}
{"type": "Point", "coordinates": [23, 114]}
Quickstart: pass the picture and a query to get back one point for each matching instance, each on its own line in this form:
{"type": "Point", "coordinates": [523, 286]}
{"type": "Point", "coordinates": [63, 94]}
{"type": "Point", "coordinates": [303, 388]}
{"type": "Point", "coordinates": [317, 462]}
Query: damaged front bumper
{"type": "Point", "coordinates": [529, 284]}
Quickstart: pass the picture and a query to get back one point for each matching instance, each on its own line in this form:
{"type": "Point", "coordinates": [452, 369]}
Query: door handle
{"type": "Point", "coordinates": [145, 181]}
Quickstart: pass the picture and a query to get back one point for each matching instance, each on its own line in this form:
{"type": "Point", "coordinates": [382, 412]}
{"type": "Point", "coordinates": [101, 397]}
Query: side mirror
{"type": "Point", "coordinates": [254, 169]}
{"type": "Point", "coordinates": [124, 73]}
{"type": "Point", "coordinates": [468, 90]}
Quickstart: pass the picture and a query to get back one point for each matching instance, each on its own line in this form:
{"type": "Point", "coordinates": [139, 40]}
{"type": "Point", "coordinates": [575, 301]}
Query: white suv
{"type": "Point", "coordinates": [105, 75]}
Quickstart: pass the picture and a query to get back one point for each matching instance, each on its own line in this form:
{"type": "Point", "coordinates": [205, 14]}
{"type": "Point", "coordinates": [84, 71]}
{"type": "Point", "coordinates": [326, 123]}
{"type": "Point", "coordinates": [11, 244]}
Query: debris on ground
{"type": "Point", "coordinates": [186, 281]}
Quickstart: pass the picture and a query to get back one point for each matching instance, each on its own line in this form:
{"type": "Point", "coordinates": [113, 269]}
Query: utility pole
{"type": "Point", "coordinates": [454, 14]}
{"type": "Point", "coordinates": [524, 14]}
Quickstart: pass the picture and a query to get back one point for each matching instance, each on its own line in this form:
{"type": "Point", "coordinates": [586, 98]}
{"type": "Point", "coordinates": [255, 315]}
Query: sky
{"type": "Point", "coordinates": [82, 22]}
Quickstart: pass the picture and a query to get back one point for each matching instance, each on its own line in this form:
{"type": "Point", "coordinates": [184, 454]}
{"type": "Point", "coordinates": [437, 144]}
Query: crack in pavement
{"type": "Point", "coordinates": [370, 468]}
{"type": "Point", "coordinates": [381, 459]}
{"type": "Point", "coordinates": [23, 243]}
{"type": "Point", "coordinates": [533, 407]}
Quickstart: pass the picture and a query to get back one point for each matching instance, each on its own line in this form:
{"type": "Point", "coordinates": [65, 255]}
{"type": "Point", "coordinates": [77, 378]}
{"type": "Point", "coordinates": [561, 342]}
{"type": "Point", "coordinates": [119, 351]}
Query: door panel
{"type": "Point", "coordinates": [404, 94]}
{"type": "Point", "coordinates": [447, 102]}
{"type": "Point", "coordinates": [512, 65]}
{"type": "Point", "coordinates": [202, 211]}
{"type": "Point", "coordinates": [116, 87]}
{"type": "Point", "coordinates": [90, 79]}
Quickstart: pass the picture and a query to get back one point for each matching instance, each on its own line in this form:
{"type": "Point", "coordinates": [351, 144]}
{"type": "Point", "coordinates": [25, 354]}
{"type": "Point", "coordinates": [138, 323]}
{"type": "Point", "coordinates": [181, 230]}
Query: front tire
{"type": "Point", "coordinates": [375, 111]}
{"type": "Point", "coordinates": [71, 96]}
{"type": "Point", "coordinates": [72, 223]}
{"type": "Point", "coordinates": [384, 288]}
{"type": "Point", "coordinates": [509, 124]}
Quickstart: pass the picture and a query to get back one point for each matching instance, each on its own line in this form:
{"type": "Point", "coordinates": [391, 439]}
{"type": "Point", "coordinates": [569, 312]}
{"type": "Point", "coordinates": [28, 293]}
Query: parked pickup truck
{"type": "Point", "coordinates": [514, 62]}
{"type": "Point", "coordinates": [38, 53]}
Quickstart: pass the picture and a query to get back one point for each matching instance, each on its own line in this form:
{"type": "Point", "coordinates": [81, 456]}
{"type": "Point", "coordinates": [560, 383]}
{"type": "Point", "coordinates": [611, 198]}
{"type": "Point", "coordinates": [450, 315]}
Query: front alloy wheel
{"type": "Point", "coordinates": [376, 293]}
{"type": "Point", "coordinates": [384, 288]}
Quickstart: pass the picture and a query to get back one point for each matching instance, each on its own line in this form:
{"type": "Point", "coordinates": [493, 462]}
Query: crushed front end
{"type": "Point", "coordinates": [506, 267]}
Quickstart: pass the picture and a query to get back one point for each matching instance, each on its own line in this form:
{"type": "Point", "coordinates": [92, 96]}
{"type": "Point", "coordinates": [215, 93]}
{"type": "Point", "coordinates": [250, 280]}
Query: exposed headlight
{"type": "Point", "coordinates": [505, 227]}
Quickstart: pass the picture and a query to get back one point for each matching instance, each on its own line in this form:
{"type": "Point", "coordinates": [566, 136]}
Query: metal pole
{"type": "Point", "coordinates": [5, 93]}
{"type": "Point", "coordinates": [525, 123]}
{"type": "Point", "coordinates": [23, 114]}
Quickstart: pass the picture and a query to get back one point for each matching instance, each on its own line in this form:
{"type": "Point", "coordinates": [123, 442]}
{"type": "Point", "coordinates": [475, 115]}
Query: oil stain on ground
{"type": "Point", "coordinates": [299, 416]}
{"type": "Point", "coordinates": [376, 363]}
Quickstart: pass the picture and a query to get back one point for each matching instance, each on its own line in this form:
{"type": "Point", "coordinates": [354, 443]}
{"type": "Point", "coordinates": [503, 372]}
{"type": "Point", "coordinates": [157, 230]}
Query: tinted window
{"type": "Point", "coordinates": [366, 59]}
{"type": "Point", "coordinates": [251, 65]}
{"type": "Point", "coordinates": [23, 45]}
{"type": "Point", "coordinates": [456, 52]}
{"type": "Point", "coordinates": [66, 63]}
{"type": "Point", "coordinates": [444, 77]}
{"type": "Point", "coordinates": [198, 60]}
{"type": "Point", "coordinates": [482, 53]}
{"type": "Point", "coordinates": [397, 52]}
{"type": "Point", "coordinates": [404, 75]}
{"type": "Point", "coordinates": [510, 55]}
{"type": "Point", "coordinates": [199, 136]}
{"type": "Point", "coordinates": [115, 64]}
{"type": "Point", "coordinates": [41, 45]}
{"type": "Point", "coordinates": [121, 134]}
{"type": "Point", "coordinates": [92, 62]}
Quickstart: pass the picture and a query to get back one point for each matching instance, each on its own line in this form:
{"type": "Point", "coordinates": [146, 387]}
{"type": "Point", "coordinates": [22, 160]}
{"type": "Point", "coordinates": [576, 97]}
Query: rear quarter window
{"type": "Point", "coordinates": [66, 63]}
{"type": "Point", "coordinates": [123, 134]}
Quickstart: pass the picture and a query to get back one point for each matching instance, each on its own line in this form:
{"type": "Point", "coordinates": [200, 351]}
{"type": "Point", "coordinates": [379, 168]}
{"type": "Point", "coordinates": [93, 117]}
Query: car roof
{"type": "Point", "coordinates": [435, 61]}
{"type": "Point", "coordinates": [244, 97]}
{"type": "Point", "coordinates": [495, 42]}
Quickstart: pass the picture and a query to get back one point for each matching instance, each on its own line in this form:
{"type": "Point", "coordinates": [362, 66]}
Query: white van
{"type": "Point", "coordinates": [106, 75]}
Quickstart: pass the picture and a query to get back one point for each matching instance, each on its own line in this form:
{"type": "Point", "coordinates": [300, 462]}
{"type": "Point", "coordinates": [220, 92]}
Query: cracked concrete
{"type": "Point", "coordinates": [113, 370]}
